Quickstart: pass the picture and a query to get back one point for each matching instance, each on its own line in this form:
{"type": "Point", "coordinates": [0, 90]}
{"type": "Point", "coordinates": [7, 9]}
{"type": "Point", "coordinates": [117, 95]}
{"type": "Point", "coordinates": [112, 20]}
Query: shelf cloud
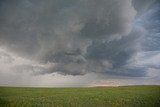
{"type": "Point", "coordinates": [79, 37]}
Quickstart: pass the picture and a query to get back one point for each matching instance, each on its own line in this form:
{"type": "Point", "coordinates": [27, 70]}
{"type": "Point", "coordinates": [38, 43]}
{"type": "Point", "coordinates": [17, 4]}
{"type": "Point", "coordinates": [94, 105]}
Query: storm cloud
{"type": "Point", "coordinates": [76, 37]}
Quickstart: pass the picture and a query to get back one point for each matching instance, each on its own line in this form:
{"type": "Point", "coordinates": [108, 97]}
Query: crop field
{"type": "Point", "coordinates": [126, 96]}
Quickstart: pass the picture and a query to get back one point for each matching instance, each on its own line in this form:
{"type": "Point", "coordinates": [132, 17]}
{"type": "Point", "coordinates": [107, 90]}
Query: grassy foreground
{"type": "Point", "coordinates": [128, 96]}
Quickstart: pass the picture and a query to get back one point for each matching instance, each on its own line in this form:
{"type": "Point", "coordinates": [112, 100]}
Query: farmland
{"type": "Point", "coordinates": [125, 96]}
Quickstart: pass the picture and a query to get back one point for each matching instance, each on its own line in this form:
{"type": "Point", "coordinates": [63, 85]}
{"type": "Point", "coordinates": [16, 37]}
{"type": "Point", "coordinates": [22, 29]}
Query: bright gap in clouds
{"type": "Point", "coordinates": [79, 43]}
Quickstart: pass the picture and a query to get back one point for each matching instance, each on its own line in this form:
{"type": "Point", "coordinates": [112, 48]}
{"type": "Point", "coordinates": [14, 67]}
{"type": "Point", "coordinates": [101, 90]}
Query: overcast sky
{"type": "Point", "coordinates": [67, 43]}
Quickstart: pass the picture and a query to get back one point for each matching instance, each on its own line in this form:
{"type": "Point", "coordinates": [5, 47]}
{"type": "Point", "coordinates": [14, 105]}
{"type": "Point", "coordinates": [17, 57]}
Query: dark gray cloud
{"type": "Point", "coordinates": [29, 27]}
{"type": "Point", "coordinates": [116, 51]}
{"type": "Point", "coordinates": [143, 5]}
{"type": "Point", "coordinates": [73, 37]}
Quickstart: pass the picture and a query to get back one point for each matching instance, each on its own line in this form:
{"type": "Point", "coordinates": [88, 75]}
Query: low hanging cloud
{"type": "Point", "coordinates": [5, 58]}
{"type": "Point", "coordinates": [73, 37]}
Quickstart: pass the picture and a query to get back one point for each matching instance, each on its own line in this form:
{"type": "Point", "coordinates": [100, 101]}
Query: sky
{"type": "Point", "coordinates": [79, 43]}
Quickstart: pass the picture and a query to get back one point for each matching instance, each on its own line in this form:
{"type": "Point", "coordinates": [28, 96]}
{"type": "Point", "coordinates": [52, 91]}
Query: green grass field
{"type": "Point", "coordinates": [128, 96]}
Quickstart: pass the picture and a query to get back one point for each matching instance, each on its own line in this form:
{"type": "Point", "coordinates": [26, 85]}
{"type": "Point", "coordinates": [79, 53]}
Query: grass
{"type": "Point", "coordinates": [127, 96]}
